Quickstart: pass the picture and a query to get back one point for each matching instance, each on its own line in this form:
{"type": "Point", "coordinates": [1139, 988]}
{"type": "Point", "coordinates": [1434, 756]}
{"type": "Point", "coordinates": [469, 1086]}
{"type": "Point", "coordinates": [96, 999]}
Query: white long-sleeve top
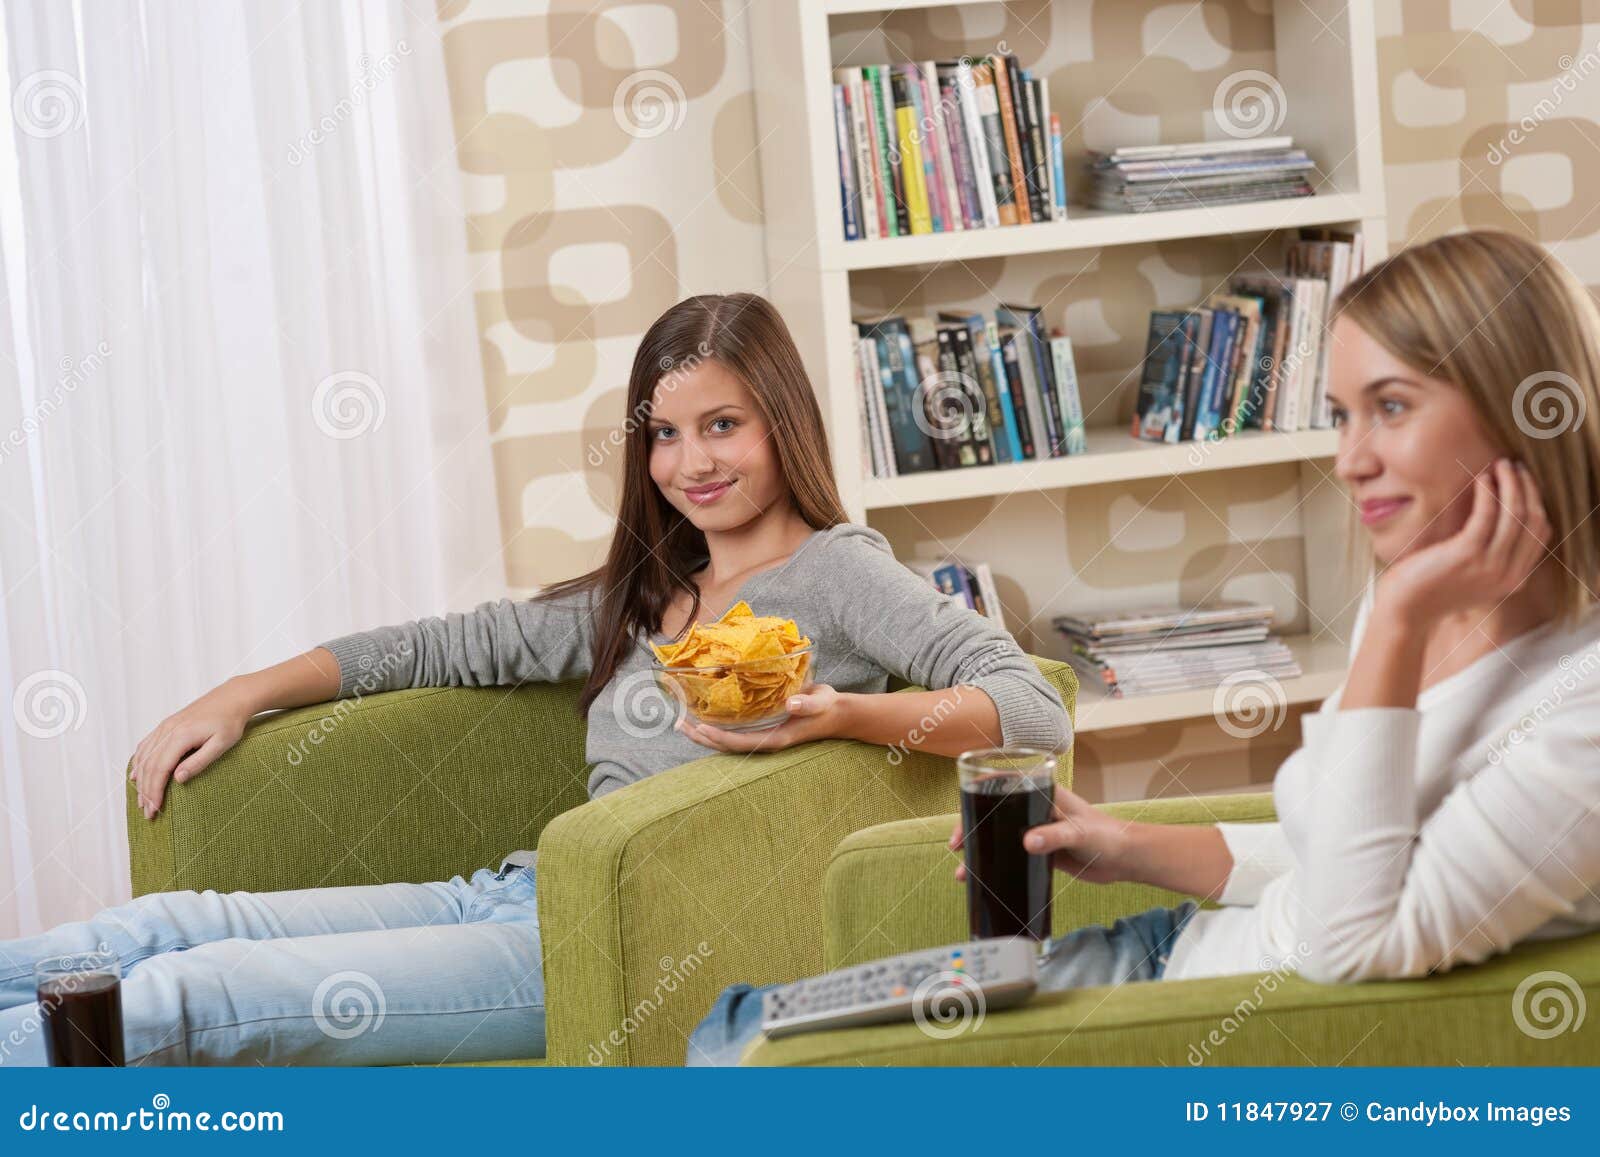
{"type": "Point", "coordinates": [1411, 841]}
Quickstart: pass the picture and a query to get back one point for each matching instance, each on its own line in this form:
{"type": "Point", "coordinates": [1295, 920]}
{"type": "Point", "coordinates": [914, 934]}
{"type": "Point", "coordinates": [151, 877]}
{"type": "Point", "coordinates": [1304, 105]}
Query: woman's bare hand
{"type": "Point", "coordinates": [184, 744]}
{"type": "Point", "coordinates": [1081, 840]}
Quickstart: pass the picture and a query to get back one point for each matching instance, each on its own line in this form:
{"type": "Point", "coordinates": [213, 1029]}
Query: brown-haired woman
{"type": "Point", "coordinates": [1445, 805]}
{"type": "Point", "coordinates": [727, 495]}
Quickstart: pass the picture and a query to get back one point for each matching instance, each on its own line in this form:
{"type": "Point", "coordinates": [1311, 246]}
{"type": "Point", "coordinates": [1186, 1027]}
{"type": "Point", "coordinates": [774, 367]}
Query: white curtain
{"type": "Point", "coordinates": [241, 402]}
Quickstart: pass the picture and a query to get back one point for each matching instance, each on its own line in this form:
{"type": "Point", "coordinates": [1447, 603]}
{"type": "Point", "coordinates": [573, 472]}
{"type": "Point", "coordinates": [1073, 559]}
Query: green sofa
{"type": "Point", "coordinates": [889, 889]}
{"type": "Point", "coordinates": [651, 899]}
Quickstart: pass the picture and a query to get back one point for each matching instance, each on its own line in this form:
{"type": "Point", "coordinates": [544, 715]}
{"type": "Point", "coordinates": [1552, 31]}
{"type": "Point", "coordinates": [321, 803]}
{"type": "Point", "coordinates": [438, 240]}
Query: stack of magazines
{"type": "Point", "coordinates": [1153, 650]}
{"type": "Point", "coordinates": [1146, 177]}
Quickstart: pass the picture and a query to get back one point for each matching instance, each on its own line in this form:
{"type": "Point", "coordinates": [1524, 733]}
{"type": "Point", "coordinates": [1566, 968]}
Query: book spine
{"type": "Point", "coordinates": [910, 154]}
{"type": "Point", "coordinates": [1045, 375]}
{"type": "Point", "coordinates": [977, 143]}
{"type": "Point", "coordinates": [1019, 395]}
{"type": "Point", "coordinates": [933, 97]}
{"type": "Point", "coordinates": [955, 129]}
{"type": "Point", "coordinates": [1208, 378]}
{"type": "Point", "coordinates": [981, 402]}
{"type": "Point", "coordinates": [880, 411]}
{"type": "Point", "coordinates": [883, 193]}
{"type": "Point", "coordinates": [1058, 162]}
{"type": "Point", "coordinates": [932, 185]}
{"type": "Point", "coordinates": [1038, 139]}
{"type": "Point", "coordinates": [1019, 101]}
{"type": "Point", "coordinates": [1191, 327]}
{"type": "Point", "coordinates": [1047, 166]}
{"type": "Point", "coordinates": [947, 579]}
{"type": "Point", "coordinates": [869, 187]}
{"type": "Point", "coordinates": [1319, 384]}
{"type": "Point", "coordinates": [911, 451]}
{"type": "Point", "coordinates": [869, 443]}
{"type": "Point", "coordinates": [975, 597]}
{"type": "Point", "coordinates": [894, 188]}
{"type": "Point", "coordinates": [1290, 390]}
{"type": "Point", "coordinates": [988, 340]}
{"type": "Point", "coordinates": [1217, 399]}
{"type": "Point", "coordinates": [991, 593]}
{"type": "Point", "coordinates": [954, 414]}
{"type": "Point", "coordinates": [1158, 375]}
{"type": "Point", "coordinates": [1195, 372]}
{"type": "Point", "coordinates": [1034, 396]}
{"type": "Point", "coordinates": [924, 364]}
{"type": "Point", "coordinates": [1013, 143]}
{"type": "Point", "coordinates": [1071, 401]}
{"type": "Point", "coordinates": [1249, 355]}
{"type": "Point", "coordinates": [994, 144]}
{"type": "Point", "coordinates": [847, 183]}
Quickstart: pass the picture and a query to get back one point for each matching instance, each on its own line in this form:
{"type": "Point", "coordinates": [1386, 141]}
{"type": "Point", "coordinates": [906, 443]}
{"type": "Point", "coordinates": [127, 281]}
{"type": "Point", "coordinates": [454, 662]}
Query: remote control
{"type": "Point", "coordinates": [949, 985]}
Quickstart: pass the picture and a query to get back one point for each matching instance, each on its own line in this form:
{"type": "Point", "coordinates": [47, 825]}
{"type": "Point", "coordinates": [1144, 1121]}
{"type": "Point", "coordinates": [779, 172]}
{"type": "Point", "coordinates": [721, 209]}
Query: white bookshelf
{"type": "Point", "coordinates": [1018, 517]}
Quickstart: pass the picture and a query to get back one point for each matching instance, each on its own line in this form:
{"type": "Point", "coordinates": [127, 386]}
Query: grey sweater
{"type": "Point", "coordinates": [868, 616]}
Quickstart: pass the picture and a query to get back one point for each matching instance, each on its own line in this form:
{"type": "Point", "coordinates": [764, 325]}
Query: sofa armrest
{"type": "Point", "coordinates": [655, 897]}
{"type": "Point", "coordinates": [1470, 1016]}
{"type": "Point", "coordinates": [410, 785]}
{"type": "Point", "coordinates": [891, 888]}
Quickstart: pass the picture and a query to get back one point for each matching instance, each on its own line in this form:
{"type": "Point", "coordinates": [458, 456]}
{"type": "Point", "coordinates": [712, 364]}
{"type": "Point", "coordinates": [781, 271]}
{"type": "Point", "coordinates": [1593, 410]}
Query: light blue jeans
{"type": "Point", "coordinates": [1135, 948]}
{"type": "Point", "coordinates": [386, 974]}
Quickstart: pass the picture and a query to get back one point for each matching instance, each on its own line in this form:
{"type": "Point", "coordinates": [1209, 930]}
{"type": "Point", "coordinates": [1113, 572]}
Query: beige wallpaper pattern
{"type": "Point", "coordinates": [609, 155]}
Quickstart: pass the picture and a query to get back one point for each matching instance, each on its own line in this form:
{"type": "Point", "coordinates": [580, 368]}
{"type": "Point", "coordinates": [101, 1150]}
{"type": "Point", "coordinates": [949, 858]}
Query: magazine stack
{"type": "Point", "coordinates": [1155, 650]}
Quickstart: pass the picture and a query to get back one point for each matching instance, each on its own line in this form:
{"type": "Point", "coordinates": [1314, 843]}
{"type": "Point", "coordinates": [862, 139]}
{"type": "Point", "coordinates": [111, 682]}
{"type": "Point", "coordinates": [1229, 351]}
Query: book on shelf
{"type": "Point", "coordinates": [943, 146]}
{"type": "Point", "coordinates": [1253, 357]}
{"type": "Point", "coordinates": [1142, 178]}
{"type": "Point", "coordinates": [964, 389]}
{"type": "Point", "coordinates": [973, 585]}
{"type": "Point", "coordinates": [1160, 649]}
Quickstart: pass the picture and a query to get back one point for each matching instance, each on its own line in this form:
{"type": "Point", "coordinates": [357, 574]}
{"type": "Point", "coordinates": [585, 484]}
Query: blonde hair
{"type": "Point", "coordinates": [1502, 320]}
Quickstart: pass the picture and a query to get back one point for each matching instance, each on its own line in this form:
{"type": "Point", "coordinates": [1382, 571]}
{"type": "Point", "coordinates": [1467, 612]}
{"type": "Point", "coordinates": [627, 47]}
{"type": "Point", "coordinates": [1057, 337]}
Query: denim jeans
{"type": "Point", "coordinates": [1135, 948]}
{"type": "Point", "coordinates": [386, 974]}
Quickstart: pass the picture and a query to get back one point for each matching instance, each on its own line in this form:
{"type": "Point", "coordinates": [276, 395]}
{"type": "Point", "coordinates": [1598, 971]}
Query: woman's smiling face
{"type": "Point", "coordinates": [1409, 445]}
{"type": "Point", "coordinates": [711, 450]}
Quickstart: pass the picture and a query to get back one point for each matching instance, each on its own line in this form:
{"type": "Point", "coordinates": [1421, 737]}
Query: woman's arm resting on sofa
{"type": "Point", "coordinates": [188, 741]}
{"type": "Point", "coordinates": [945, 722]}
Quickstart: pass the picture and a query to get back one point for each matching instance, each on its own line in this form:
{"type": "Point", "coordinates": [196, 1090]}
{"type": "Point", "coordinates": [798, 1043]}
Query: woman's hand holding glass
{"type": "Point", "coordinates": [1083, 841]}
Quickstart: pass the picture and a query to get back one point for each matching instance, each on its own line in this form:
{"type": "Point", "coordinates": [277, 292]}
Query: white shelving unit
{"type": "Point", "coordinates": [1326, 65]}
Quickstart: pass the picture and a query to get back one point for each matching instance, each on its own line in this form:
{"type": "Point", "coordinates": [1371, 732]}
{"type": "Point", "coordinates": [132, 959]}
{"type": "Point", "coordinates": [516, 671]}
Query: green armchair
{"type": "Point", "coordinates": [889, 889]}
{"type": "Point", "coordinates": [651, 899]}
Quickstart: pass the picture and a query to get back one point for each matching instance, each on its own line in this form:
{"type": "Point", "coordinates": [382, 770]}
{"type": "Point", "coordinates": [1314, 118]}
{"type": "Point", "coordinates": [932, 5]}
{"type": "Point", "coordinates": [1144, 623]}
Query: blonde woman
{"type": "Point", "coordinates": [1445, 805]}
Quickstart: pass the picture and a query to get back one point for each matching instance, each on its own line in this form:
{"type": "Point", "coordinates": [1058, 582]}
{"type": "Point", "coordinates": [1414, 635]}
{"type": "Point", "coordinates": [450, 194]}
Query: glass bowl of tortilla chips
{"type": "Point", "coordinates": [738, 672]}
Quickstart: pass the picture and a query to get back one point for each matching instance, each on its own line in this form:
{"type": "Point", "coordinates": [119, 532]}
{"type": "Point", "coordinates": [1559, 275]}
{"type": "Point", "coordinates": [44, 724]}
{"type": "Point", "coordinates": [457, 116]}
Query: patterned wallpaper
{"type": "Point", "coordinates": [609, 154]}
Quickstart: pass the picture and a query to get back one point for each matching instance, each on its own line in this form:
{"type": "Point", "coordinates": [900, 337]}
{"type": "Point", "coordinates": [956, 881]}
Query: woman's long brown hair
{"type": "Point", "coordinates": [655, 548]}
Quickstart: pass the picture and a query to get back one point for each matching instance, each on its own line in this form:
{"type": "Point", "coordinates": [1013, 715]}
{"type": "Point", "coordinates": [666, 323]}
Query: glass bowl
{"type": "Point", "coordinates": [750, 695]}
